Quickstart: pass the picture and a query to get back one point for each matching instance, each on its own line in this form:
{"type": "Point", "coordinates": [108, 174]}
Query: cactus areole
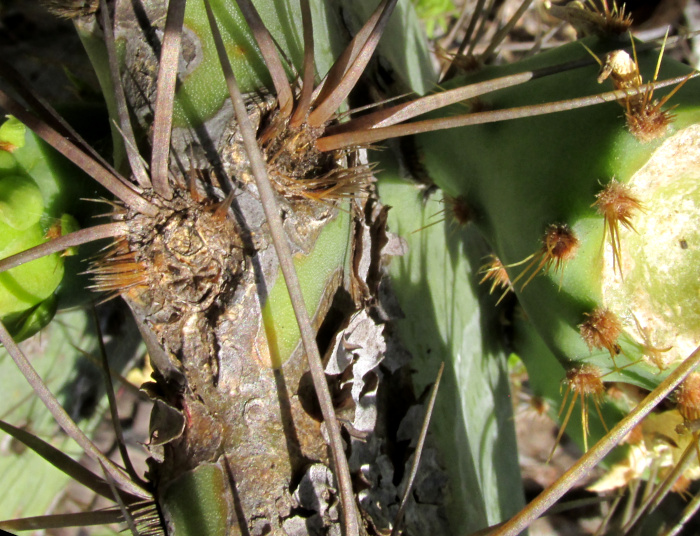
{"type": "Point", "coordinates": [593, 212]}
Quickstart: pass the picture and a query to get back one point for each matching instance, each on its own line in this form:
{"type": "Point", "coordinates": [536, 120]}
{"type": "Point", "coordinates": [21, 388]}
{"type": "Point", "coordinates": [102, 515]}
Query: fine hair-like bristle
{"type": "Point", "coordinates": [586, 380]}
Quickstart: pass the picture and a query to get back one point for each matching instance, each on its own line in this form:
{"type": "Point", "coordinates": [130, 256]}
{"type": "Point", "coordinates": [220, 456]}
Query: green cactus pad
{"type": "Point", "coordinates": [526, 175]}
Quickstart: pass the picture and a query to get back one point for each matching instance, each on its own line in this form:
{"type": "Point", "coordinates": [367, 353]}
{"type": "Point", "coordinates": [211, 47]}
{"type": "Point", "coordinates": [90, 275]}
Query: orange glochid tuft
{"type": "Point", "coordinates": [649, 121]}
{"type": "Point", "coordinates": [495, 272]}
{"type": "Point", "coordinates": [117, 270]}
{"type": "Point", "coordinates": [460, 209]}
{"type": "Point", "coordinates": [559, 245]}
{"type": "Point", "coordinates": [646, 120]}
{"type": "Point", "coordinates": [583, 382]}
{"type": "Point", "coordinates": [617, 204]}
{"type": "Point", "coordinates": [681, 486]}
{"type": "Point", "coordinates": [688, 397]}
{"type": "Point", "coordinates": [601, 330]}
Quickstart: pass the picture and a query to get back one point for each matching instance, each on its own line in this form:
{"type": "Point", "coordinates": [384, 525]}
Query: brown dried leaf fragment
{"type": "Point", "coordinates": [71, 9]}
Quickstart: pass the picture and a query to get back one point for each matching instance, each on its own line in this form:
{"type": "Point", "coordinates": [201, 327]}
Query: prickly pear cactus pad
{"type": "Point", "coordinates": [593, 212]}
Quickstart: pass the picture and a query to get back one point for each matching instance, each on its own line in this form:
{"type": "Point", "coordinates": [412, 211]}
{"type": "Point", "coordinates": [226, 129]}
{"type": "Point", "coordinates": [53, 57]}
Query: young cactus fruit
{"type": "Point", "coordinates": [593, 211]}
{"type": "Point", "coordinates": [30, 214]}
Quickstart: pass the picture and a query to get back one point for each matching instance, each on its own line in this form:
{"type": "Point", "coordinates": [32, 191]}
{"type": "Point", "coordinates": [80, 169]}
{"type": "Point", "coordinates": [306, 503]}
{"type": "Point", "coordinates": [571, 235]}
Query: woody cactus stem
{"type": "Point", "coordinates": [593, 212]}
{"type": "Point", "coordinates": [234, 415]}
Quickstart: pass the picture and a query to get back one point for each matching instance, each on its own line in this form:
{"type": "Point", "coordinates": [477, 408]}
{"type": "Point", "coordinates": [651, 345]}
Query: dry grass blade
{"type": "Point", "coordinates": [307, 84]}
{"type": "Point", "coordinates": [587, 462]}
{"type": "Point", "coordinates": [503, 32]}
{"type": "Point", "coordinates": [478, 10]}
{"type": "Point", "coordinates": [135, 161]}
{"type": "Point", "coordinates": [82, 519]}
{"type": "Point", "coordinates": [654, 499]}
{"type": "Point", "coordinates": [59, 460]}
{"type": "Point", "coordinates": [327, 106]}
{"type": "Point", "coordinates": [116, 423]}
{"type": "Point", "coordinates": [418, 452]}
{"type": "Point", "coordinates": [115, 184]}
{"type": "Point", "coordinates": [482, 28]}
{"type": "Point", "coordinates": [268, 50]}
{"type": "Point", "coordinates": [366, 137]}
{"type": "Point", "coordinates": [63, 419]}
{"type": "Point", "coordinates": [272, 215]}
{"type": "Point", "coordinates": [167, 78]}
{"type": "Point", "coordinates": [77, 238]}
{"type": "Point", "coordinates": [688, 513]}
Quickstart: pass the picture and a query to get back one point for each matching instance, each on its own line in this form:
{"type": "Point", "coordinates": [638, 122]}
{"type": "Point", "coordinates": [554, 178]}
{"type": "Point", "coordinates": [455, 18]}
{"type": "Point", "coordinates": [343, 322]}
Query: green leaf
{"type": "Point", "coordinates": [29, 484]}
{"type": "Point", "coordinates": [447, 318]}
{"type": "Point", "coordinates": [26, 323]}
